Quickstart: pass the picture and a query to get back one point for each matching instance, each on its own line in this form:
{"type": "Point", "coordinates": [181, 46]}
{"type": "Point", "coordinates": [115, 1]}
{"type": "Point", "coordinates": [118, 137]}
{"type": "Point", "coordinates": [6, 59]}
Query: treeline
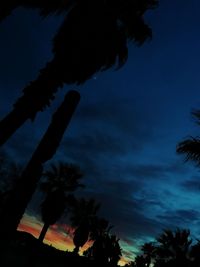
{"type": "Point", "coordinates": [171, 249]}
{"type": "Point", "coordinates": [59, 184]}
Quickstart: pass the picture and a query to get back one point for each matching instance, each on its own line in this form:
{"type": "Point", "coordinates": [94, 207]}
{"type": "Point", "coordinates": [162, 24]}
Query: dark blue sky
{"type": "Point", "coordinates": [126, 128]}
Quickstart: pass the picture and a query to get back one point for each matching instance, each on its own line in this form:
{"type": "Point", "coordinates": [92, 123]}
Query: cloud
{"type": "Point", "coordinates": [192, 185]}
{"type": "Point", "coordinates": [125, 211]}
{"type": "Point", "coordinates": [184, 217]}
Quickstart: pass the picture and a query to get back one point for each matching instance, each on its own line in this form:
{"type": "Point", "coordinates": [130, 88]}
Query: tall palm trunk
{"type": "Point", "coordinates": [44, 231]}
{"type": "Point", "coordinates": [37, 95]}
{"type": "Point", "coordinates": [22, 193]}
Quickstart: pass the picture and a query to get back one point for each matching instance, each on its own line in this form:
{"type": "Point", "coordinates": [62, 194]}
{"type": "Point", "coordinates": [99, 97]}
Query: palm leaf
{"type": "Point", "coordinates": [191, 149]}
{"type": "Point", "coordinates": [93, 37]}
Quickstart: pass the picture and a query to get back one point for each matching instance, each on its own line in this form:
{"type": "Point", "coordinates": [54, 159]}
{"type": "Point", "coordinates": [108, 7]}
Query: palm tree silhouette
{"type": "Point", "coordinates": [114, 249]}
{"type": "Point", "coordinates": [191, 146]}
{"type": "Point", "coordinates": [62, 179]}
{"type": "Point", "coordinates": [149, 252]}
{"type": "Point", "coordinates": [63, 176]}
{"type": "Point", "coordinates": [105, 248]}
{"type": "Point", "coordinates": [140, 261]}
{"type": "Point", "coordinates": [17, 202]}
{"type": "Point", "coordinates": [52, 209]}
{"type": "Point", "coordinates": [83, 219]}
{"type": "Point", "coordinates": [191, 149]}
{"type": "Point", "coordinates": [173, 248]}
{"type": "Point", "coordinates": [93, 37]}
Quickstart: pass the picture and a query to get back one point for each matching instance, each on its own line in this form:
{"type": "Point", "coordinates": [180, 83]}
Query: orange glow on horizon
{"type": "Point", "coordinates": [58, 235]}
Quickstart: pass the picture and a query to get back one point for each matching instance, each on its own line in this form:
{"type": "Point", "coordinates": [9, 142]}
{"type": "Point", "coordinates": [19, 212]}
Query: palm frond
{"type": "Point", "coordinates": [191, 149]}
{"type": "Point", "coordinates": [63, 176]}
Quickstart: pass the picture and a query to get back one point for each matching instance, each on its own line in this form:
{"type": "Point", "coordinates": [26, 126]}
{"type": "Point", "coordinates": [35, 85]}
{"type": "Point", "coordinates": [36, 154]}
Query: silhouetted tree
{"type": "Point", "coordinates": [191, 149]}
{"type": "Point", "coordinates": [173, 248]}
{"type": "Point", "coordinates": [195, 254]}
{"type": "Point", "coordinates": [93, 37]}
{"type": "Point", "coordinates": [105, 249]}
{"type": "Point", "coordinates": [52, 209]}
{"type": "Point", "coordinates": [62, 176]}
{"type": "Point", "coordinates": [115, 251]}
{"type": "Point", "coordinates": [62, 179]}
{"type": "Point", "coordinates": [191, 146]}
{"type": "Point", "coordinates": [140, 261]}
{"type": "Point", "coordinates": [83, 219]}
{"type": "Point", "coordinates": [149, 252]}
{"type": "Point", "coordinates": [26, 185]}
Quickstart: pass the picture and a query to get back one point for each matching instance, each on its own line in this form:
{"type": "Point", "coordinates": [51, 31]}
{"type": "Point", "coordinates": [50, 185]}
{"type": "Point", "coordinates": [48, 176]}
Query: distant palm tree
{"type": "Point", "coordinates": [173, 248]}
{"type": "Point", "coordinates": [149, 252]}
{"type": "Point", "coordinates": [52, 209]}
{"type": "Point", "coordinates": [63, 176]}
{"type": "Point", "coordinates": [105, 248]}
{"type": "Point", "coordinates": [114, 249]}
{"type": "Point", "coordinates": [61, 180]}
{"type": "Point", "coordinates": [83, 218]}
{"type": "Point", "coordinates": [93, 37]}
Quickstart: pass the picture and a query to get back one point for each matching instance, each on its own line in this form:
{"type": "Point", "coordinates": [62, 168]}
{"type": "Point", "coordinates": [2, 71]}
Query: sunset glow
{"type": "Point", "coordinates": [58, 235]}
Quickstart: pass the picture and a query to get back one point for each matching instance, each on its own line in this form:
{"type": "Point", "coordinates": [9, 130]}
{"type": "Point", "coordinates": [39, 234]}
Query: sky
{"type": "Point", "coordinates": [126, 128]}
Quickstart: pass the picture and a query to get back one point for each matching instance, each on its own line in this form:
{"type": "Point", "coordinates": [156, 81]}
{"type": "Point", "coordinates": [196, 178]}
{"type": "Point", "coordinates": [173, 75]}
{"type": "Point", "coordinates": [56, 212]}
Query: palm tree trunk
{"type": "Point", "coordinates": [36, 97]}
{"type": "Point", "coordinates": [44, 231]}
{"type": "Point", "coordinates": [15, 207]}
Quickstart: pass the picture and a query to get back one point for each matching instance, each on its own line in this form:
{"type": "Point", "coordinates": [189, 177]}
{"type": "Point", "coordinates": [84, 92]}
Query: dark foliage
{"type": "Point", "coordinates": [93, 37]}
{"type": "Point", "coordinates": [83, 218]}
{"type": "Point", "coordinates": [26, 186]}
{"type": "Point", "coordinates": [191, 146]}
{"type": "Point", "coordinates": [61, 180]}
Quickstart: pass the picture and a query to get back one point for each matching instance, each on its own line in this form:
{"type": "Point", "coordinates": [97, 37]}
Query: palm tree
{"type": "Point", "coordinates": [62, 176]}
{"type": "Point", "coordinates": [21, 194]}
{"type": "Point", "coordinates": [149, 252]}
{"type": "Point", "coordinates": [173, 248]}
{"type": "Point", "coordinates": [52, 209]}
{"type": "Point", "coordinates": [61, 179]}
{"type": "Point", "coordinates": [105, 248]}
{"type": "Point", "coordinates": [191, 146]}
{"type": "Point", "coordinates": [93, 37]}
{"type": "Point", "coordinates": [140, 261]}
{"type": "Point", "coordinates": [114, 249]}
{"type": "Point", "coordinates": [83, 216]}
{"type": "Point", "coordinates": [191, 149]}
